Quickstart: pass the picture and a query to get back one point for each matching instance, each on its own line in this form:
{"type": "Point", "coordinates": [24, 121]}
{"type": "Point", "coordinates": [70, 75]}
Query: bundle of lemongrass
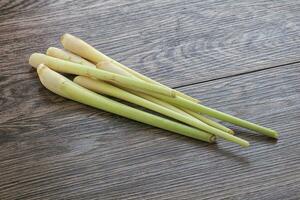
{"type": "Point", "coordinates": [99, 74]}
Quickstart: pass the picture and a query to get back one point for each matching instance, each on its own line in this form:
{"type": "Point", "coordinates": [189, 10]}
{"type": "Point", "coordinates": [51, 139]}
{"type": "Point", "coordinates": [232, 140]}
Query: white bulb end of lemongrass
{"type": "Point", "coordinates": [36, 59]}
{"type": "Point", "coordinates": [81, 48]}
{"type": "Point", "coordinates": [65, 55]}
{"type": "Point", "coordinates": [51, 80]}
{"type": "Point", "coordinates": [57, 53]}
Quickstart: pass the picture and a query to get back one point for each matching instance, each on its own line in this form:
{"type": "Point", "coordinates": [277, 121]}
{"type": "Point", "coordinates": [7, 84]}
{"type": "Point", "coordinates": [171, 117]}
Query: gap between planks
{"type": "Point", "coordinates": [233, 75]}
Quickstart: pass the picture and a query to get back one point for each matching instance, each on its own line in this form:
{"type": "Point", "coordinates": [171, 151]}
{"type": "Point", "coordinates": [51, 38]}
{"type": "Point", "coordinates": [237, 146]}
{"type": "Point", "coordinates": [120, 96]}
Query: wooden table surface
{"type": "Point", "coordinates": [241, 57]}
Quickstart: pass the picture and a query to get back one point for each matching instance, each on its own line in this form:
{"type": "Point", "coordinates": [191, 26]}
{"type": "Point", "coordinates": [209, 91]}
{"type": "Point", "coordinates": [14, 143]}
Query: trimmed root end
{"type": "Point", "coordinates": [50, 51]}
{"type": "Point", "coordinates": [212, 139]}
{"type": "Point", "coordinates": [35, 60]}
{"type": "Point", "coordinates": [63, 37]}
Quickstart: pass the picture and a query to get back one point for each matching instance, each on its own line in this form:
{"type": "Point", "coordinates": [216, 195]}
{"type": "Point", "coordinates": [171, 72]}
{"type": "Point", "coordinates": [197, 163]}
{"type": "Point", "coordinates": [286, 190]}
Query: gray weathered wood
{"type": "Point", "coordinates": [83, 153]}
{"type": "Point", "coordinates": [234, 55]}
{"type": "Point", "coordinates": [175, 42]}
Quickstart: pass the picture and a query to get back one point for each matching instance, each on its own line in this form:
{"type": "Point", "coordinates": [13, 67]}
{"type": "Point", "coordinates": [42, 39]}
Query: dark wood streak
{"type": "Point", "coordinates": [234, 55]}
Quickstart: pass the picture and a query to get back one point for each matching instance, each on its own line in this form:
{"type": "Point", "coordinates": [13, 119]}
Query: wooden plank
{"type": "Point", "coordinates": [174, 42]}
{"type": "Point", "coordinates": [53, 148]}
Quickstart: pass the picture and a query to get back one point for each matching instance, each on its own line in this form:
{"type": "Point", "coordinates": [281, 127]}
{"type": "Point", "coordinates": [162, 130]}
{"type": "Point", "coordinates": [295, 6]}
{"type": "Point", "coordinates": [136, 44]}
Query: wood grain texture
{"type": "Point", "coordinates": [194, 41]}
{"type": "Point", "coordinates": [234, 55]}
{"type": "Point", "coordinates": [64, 150]}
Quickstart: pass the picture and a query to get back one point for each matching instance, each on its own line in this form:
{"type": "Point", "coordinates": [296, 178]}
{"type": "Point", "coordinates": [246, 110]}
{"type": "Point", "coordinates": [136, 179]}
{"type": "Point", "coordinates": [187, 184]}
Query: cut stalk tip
{"type": "Point", "coordinates": [275, 135]}
{"type": "Point", "coordinates": [35, 60]}
{"type": "Point", "coordinates": [62, 38]}
{"type": "Point", "coordinates": [68, 56]}
{"type": "Point", "coordinates": [212, 139]}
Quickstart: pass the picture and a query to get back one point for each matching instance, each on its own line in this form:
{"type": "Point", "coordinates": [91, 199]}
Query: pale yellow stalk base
{"type": "Point", "coordinates": [65, 55]}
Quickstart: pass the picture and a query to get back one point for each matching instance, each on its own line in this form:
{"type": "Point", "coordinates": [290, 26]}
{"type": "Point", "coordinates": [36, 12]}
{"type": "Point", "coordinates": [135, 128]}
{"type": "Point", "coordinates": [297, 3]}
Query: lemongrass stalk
{"type": "Point", "coordinates": [83, 49]}
{"type": "Point", "coordinates": [147, 79]}
{"type": "Point", "coordinates": [118, 68]}
{"type": "Point", "coordinates": [209, 121]}
{"type": "Point", "coordinates": [68, 89]}
{"type": "Point", "coordinates": [107, 89]}
{"type": "Point", "coordinates": [181, 102]}
{"type": "Point", "coordinates": [108, 66]}
{"type": "Point", "coordinates": [65, 55]}
{"type": "Point", "coordinates": [185, 112]}
{"type": "Point", "coordinates": [160, 102]}
{"type": "Point", "coordinates": [63, 66]}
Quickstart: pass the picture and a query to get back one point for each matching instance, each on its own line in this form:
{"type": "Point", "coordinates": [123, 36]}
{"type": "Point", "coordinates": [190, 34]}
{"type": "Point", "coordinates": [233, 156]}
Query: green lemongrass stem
{"type": "Point", "coordinates": [65, 55]}
{"type": "Point", "coordinates": [108, 66]}
{"type": "Point", "coordinates": [185, 112]}
{"type": "Point", "coordinates": [64, 66]}
{"type": "Point", "coordinates": [160, 102]}
{"type": "Point", "coordinates": [209, 121]}
{"type": "Point", "coordinates": [83, 49]}
{"type": "Point", "coordinates": [122, 70]}
{"type": "Point", "coordinates": [147, 79]}
{"type": "Point", "coordinates": [68, 89]}
{"type": "Point", "coordinates": [107, 89]}
{"type": "Point", "coordinates": [181, 102]}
